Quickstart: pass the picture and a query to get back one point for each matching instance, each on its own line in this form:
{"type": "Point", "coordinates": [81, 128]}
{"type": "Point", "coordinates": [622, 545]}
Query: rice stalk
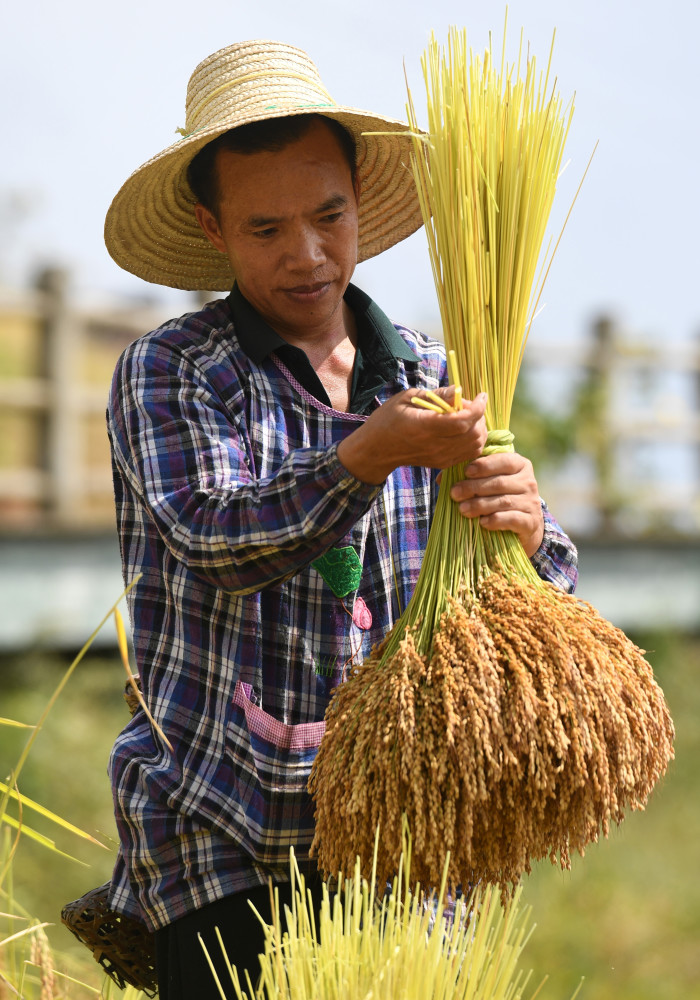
{"type": "Point", "coordinates": [28, 966]}
{"type": "Point", "coordinates": [42, 959]}
{"type": "Point", "coordinates": [11, 786]}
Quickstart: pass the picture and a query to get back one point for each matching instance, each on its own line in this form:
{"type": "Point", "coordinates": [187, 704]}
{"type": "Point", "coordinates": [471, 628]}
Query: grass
{"type": "Point", "coordinates": [65, 771]}
{"type": "Point", "coordinates": [626, 917]}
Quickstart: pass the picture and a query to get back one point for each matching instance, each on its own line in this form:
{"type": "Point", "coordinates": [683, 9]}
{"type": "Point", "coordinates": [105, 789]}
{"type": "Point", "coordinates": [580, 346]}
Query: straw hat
{"type": "Point", "coordinates": [151, 228]}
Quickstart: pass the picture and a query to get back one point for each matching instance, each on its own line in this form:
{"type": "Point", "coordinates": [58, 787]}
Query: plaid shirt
{"type": "Point", "coordinates": [228, 493]}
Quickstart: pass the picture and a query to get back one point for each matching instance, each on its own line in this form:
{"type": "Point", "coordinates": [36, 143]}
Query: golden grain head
{"type": "Point", "coordinates": [534, 724]}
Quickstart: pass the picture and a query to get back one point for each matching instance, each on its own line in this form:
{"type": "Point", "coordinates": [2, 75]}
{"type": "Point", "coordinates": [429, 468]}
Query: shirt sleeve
{"type": "Point", "coordinates": [556, 560]}
{"type": "Point", "coordinates": [179, 452]}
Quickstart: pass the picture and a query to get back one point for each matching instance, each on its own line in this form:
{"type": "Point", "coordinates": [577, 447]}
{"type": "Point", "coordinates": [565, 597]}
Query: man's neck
{"type": "Point", "coordinates": [332, 357]}
{"type": "Point", "coordinates": [330, 352]}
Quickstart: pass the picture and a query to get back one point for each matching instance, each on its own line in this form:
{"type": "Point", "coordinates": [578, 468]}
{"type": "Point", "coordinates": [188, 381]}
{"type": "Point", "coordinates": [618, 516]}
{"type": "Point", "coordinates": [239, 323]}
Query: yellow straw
{"type": "Point", "coordinates": [438, 400]}
{"type": "Point", "coordinates": [426, 405]}
{"type": "Point", "coordinates": [486, 169]}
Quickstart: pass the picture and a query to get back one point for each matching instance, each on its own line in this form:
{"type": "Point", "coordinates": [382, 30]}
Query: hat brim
{"type": "Point", "coordinates": [151, 229]}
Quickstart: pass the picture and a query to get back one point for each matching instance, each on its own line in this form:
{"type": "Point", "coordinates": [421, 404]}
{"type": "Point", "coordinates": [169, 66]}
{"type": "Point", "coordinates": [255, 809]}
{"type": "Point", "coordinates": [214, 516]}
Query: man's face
{"type": "Point", "coordinates": [287, 221]}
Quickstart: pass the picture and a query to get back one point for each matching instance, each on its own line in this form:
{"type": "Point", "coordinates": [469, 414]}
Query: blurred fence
{"type": "Point", "coordinates": [631, 410]}
{"type": "Point", "coordinates": [628, 490]}
{"type": "Point", "coordinates": [55, 367]}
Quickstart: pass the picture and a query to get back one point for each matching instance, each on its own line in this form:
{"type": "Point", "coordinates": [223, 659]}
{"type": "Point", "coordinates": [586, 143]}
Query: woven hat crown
{"type": "Point", "coordinates": [253, 80]}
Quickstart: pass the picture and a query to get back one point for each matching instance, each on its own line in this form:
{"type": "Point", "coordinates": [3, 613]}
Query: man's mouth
{"type": "Point", "coordinates": [311, 291]}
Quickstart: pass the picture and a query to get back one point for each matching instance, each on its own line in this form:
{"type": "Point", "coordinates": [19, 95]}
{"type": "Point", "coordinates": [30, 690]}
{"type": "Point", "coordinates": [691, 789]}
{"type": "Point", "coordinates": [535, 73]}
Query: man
{"type": "Point", "coordinates": [274, 485]}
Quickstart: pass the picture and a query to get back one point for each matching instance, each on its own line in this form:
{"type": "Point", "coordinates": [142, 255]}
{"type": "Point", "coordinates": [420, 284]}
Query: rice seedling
{"type": "Point", "coordinates": [508, 721]}
{"type": "Point", "coordinates": [370, 943]}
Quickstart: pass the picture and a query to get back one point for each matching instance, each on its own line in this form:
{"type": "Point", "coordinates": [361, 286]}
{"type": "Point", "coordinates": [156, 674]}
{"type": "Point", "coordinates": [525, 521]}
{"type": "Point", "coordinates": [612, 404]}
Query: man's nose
{"type": "Point", "coordinates": [305, 249]}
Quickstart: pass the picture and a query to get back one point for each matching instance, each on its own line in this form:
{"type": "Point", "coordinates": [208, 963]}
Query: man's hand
{"type": "Point", "coordinates": [400, 433]}
{"type": "Point", "coordinates": [501, 490]}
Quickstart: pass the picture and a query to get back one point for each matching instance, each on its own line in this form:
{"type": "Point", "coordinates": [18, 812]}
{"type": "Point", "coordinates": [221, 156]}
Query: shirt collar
{"type": "Point", "coordinates": [375, 331]}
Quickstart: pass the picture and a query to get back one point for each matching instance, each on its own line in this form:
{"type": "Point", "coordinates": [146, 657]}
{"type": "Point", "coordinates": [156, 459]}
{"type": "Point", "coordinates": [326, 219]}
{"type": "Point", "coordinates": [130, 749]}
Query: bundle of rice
{"type": "Point", "coordinates": [507, 720]}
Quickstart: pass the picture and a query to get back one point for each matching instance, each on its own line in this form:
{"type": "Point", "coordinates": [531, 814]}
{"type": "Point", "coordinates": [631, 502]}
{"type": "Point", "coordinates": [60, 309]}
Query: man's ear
{"type": "Point", "coordinates": [210, 226]}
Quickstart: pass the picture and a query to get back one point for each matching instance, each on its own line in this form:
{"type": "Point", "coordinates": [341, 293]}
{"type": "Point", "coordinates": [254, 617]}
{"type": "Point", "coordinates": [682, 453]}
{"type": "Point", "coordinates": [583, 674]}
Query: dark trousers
{"type": "Point", "coordinates": [183, 970]}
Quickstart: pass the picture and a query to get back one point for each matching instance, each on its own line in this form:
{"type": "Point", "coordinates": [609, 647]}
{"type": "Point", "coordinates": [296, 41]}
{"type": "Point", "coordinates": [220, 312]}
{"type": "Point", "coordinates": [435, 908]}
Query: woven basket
{"type": "Point", "coordinates": [124, 947]}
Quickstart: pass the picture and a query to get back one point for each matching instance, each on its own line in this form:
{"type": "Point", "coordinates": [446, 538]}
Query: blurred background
{"type": "Point", "coordinates": [608, 403]}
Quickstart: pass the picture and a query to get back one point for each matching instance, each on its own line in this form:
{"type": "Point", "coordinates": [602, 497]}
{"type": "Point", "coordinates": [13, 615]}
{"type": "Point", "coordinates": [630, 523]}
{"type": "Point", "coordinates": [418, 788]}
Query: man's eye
{"type": "Point", "coordinates": [264, 234]}
{"type": "Point", "coordinates": [333, 217]}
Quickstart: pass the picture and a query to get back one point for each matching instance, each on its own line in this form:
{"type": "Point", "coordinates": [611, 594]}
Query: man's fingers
{"type": "Point", "coordinates": [478, 506]}
{"type": "Point", "coordinates": [502, 520]}
{"type": "Point", "coordinates": [507, 463]}
{"type": "Point", "coordinates": [443, 399]}
{"type": "Point", "coordinates": [492, 486]}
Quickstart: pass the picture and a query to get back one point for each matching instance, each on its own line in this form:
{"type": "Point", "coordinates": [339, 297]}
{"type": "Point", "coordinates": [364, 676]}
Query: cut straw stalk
{"type": "Point", "coordinates": [132, 679]}
{"type": "Point", "coordinates": [507, 720]}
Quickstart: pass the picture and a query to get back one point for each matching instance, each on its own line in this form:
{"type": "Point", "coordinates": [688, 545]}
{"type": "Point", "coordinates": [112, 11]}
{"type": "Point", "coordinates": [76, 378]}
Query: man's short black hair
{"type": "Point", "coordinates": [270, 136]}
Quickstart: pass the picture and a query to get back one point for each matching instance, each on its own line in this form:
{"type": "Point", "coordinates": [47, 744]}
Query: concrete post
{"type": "Point", "coordinates": [63, 460]}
